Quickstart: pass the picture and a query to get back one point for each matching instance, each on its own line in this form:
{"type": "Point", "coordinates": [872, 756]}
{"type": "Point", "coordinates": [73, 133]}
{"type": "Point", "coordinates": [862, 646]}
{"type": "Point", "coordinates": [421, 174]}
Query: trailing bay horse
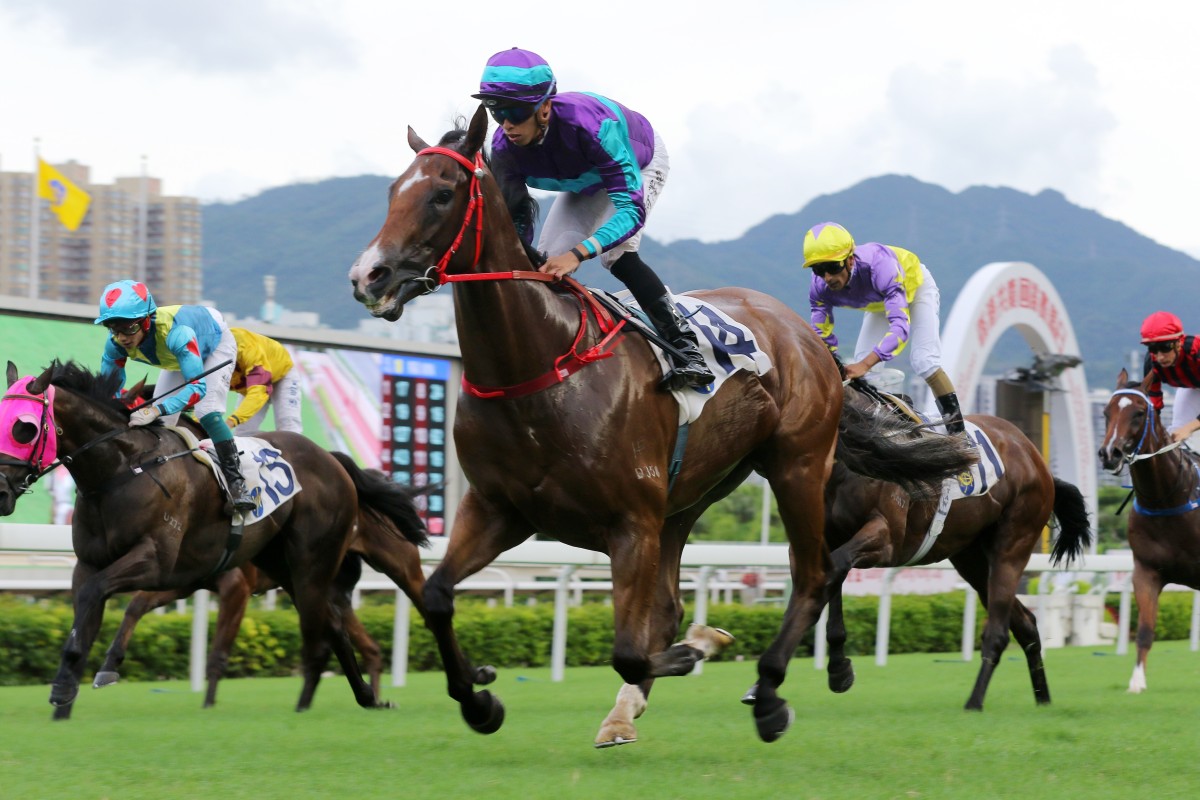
{"type": "Point", "coordinates": [586, 459]}
{"type": "Point", "coordinates": [234, 588]}
{"type": "Point", "coordinates": [988, 538]}
{"type": "Point", "coordinates": [149, 516]}
{"type": "Point", "coordinates": [377, 539]}
{"type": "Point", "coordinates": [1164, 523]}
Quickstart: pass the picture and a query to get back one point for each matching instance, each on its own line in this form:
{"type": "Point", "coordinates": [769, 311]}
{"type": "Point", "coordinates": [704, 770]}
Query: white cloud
{"type": "Point", "coordinates": [215, 36]}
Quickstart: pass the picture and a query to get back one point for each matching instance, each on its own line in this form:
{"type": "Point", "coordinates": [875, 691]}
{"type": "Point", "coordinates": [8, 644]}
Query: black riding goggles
{"type": "Point", "coordinates": [1160, 347]}
{"type": "Point", "coordinates": [124, 327]}
{"type": "Point", "coordinates": [516, 114]}
{"type": "Point", "coordinates": [828, 268]}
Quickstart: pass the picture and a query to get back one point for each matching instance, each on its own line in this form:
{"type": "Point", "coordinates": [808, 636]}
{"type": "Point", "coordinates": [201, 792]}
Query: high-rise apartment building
{"type": "Point", "coordinates": [74, 266]}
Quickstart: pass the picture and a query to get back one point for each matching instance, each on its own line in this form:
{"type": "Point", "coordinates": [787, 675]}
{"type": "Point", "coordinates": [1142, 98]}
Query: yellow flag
{"type": "Point", "coordinates": [67, 200]}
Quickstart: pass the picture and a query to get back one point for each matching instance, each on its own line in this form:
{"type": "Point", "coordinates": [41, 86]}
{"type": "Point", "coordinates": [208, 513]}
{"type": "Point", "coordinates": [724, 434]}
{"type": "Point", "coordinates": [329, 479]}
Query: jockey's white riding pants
{"type": "Point", "coordinates": [575, 217]}
{"type": "Point", "coordinates": [216, 383]}
{"type": "Point", "coordinates": [924, 326]}
{"type": "Point", "coordinates": [1186, 408]}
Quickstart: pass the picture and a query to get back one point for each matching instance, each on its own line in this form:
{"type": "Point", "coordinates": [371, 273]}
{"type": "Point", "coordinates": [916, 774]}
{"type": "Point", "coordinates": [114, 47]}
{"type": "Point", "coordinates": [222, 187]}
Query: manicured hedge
{"type": "Point", "coordinates": [32, 635]}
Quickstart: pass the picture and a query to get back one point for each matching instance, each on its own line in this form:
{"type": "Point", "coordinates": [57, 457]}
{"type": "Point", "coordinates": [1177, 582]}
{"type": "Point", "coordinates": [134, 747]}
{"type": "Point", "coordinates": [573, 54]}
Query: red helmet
{"type": "Point", "coordinates": [1161, 326]}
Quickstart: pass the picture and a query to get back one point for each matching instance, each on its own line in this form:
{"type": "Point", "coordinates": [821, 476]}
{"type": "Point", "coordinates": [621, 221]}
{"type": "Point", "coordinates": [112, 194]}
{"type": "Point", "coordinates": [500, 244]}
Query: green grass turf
{"type": "Point", "coordinates": [899, 733]}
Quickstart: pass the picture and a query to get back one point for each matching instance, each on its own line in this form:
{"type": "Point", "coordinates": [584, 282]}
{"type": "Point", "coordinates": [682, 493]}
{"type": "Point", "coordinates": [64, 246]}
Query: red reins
{"type": "Point", "coordinates": [565, 365]}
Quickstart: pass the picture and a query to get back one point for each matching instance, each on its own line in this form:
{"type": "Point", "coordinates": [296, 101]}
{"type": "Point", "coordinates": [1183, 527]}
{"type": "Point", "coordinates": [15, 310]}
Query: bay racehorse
{"type": "Point", "coordinates": [150, 516]}
{"type": "Point", "coordinates": [586, 459]}
{"type": "Point", "coordinates": [987, 537]}
{"type": "Point", "coordinates": [378, 539]}
{"type": "Point", "coordinates": [1164, 523]}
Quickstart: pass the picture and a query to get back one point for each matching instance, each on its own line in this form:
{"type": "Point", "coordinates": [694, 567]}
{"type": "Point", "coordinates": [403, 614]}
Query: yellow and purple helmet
{"type": "Point", "coordinates": [827, 241]}
{"type": "Point", "coordinates": [516, 76]}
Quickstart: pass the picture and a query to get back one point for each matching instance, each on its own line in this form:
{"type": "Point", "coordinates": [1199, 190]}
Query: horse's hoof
{"type": "Point", "coordinates": [384, 704]}
{"type": "Point", "coordinates": [485, 675]}
{"type": "Point", "coordinates": [62, 712]}
{"type": "Point", "coordinates": [62, 696]}
{"type": "Point", "coordinates": [105, 678]}
{"type": "Point", "coordinates": [841, 678]}
{"type": "Point", "coordinates": [492, 716]}
{"type": "Point", "coordinates": [773, 723]}
{"type": "Point", "coordinates": [613, 742]}
{"type": "Point", "coordinates": [751, 695]}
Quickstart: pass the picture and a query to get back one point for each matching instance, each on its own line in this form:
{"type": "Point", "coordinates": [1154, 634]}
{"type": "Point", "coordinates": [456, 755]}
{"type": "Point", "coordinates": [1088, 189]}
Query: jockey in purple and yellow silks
{"type": "Point", "coordinates": [183, 341]}
{"type": "Point", "coordinates": [901, 301]}
{"type": "Point", "coordinates": [263, 376]}
{"type": "Point", "coordinates": [610, 165]}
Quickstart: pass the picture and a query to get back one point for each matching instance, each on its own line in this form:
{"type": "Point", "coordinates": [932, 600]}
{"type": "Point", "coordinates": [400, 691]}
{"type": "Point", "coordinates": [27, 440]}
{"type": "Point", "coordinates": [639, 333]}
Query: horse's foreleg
{"type": "Point", "coordinates": [141, 604]}
{"type": "Point", "coordinates": [233, 593]}
{"type": "Point", "coordinates": [481, 533]}
{"type": "Point", "coordinates": [1147, 585]}
{"type": "Point", "coordinates": [799, 491]}
{"type": "Point", "coordinates": [870, 545]}
{"type": "Point", "coordinates": [90, 588]}
{"type": "Point", "coordinates": [995, 581]}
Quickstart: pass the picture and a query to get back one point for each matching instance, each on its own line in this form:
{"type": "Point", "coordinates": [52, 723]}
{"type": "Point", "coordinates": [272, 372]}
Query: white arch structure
{"type": "Point", "coordinates": [1014, 294]}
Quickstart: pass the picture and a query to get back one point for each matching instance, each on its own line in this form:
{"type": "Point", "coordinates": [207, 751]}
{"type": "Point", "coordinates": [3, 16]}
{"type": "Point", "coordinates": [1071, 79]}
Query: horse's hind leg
{"type": "Point", "coordinates": [996, 584]}
{"type": "Point", "coordinates": [233, 593]}
{"type": "Point", "coordinates": [1025, 631]}
{"type": "Point", "coordinates": [1147, 586]}
{"type": "Point", "coordinates": [368, 648]}
{"type": "Point", "coordinates": [141, 604]}
{"type": "Point", "coordinates": [840, 669]}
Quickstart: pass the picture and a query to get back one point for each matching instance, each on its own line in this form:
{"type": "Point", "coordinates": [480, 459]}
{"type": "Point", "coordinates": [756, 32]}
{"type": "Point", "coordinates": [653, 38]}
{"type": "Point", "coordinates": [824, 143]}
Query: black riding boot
{"type": "Point", "coordinates": [227, 458]}
{"type": "Point", "coordinates": [691, 369]}
{"type": "Point", "coordinates": [951, 413]}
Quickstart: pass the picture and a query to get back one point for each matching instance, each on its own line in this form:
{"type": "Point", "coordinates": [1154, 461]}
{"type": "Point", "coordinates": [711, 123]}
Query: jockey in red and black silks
{"type": "Point", "coordinates": [1173, 358]}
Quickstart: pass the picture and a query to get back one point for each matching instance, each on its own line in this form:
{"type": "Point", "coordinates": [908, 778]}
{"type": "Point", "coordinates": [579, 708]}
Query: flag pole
{"type": "Point", "coordinates": [35, 234]}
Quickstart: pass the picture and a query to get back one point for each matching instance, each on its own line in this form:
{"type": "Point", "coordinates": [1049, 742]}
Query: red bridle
{"type": "Point", "coordinates": [474, 209]}
{"type": "Point", "coordinates": [568, 363]}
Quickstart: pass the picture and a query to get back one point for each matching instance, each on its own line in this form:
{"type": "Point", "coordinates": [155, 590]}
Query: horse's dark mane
{"type": "Point", "coordinates": [100, 389]}
{"type": "Point", "coordinates": [521, 205]}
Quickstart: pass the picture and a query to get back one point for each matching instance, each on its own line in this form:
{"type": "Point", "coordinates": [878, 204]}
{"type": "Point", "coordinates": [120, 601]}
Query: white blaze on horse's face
{"type": "Point", "coordinates": [373, 273]}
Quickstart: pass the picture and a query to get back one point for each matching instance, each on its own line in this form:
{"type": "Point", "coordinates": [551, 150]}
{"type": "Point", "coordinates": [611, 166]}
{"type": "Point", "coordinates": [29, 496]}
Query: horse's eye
{"type": "Point", "coordinates": [442, 197]}
{"type": "Point", "coordinates": [24, 432]}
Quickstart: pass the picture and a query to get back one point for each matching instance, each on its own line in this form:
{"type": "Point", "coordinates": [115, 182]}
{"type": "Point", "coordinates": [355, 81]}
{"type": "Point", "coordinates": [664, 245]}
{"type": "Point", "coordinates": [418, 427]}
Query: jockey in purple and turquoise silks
{"type": "Point", "coordinates": [183, 341]}
{"type": "Point", "coordinates": [902, 303]}
{"type": "Point", "coordinates": [610, 165]}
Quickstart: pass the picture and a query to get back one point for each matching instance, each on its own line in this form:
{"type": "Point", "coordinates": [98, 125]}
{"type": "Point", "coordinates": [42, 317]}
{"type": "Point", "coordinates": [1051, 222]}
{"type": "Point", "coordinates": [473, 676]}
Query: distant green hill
{"type": "Point", "coordinates": [1109, 275]}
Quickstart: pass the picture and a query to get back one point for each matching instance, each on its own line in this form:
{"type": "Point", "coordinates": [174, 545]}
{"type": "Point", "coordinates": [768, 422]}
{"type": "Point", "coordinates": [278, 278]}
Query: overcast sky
{"type": "Point", "coordinates": [763, 105]}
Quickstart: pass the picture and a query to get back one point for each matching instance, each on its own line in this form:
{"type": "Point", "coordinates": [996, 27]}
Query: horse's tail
{"type": "Point", "coordinates": [1074, 533]}
{"type": "Point", "coordinates": [388, 498]}
{"type": "Point", "coordinates": [880, 444]}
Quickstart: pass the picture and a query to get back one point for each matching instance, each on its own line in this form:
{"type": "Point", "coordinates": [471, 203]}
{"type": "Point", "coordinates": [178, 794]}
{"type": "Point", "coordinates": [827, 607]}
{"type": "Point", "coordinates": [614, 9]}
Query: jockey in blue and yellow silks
{"type": "Point", "coordinates": [901, 301]}
{"type": "Point", "coordinates": [610, 165]}
{"type": "Point", "coordinates": [183, 341]}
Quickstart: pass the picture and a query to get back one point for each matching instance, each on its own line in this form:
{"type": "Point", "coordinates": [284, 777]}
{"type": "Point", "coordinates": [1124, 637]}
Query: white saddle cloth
{"type": "Point", "coordinates": [270, 479]}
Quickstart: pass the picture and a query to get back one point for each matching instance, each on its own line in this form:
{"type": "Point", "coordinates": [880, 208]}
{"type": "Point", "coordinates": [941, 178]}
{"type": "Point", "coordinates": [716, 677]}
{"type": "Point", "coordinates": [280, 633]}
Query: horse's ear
{"type": "Point", "coordinates": [414, 141]}
{"type": "Point", "coordinates": [1123, 378]}
{"type": "Point", "coordinates": [134, 394]}
{"type": "Point", "coordinates": [39, 384]}
{"type": "Point", "coordinates": [476, 132]}
{"type": "Point", "coordinates": [13, 375]}
{"type": "Point", "coordinates": [1146, 381]}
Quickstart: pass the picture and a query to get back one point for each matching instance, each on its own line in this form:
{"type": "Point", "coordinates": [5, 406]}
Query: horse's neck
{"type": "Point", "coordinates": [1166, 479]}
{"type": "Point", "coordinates": [81, 425]}
{"type": "Point", "coordinates": [510, 330]}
